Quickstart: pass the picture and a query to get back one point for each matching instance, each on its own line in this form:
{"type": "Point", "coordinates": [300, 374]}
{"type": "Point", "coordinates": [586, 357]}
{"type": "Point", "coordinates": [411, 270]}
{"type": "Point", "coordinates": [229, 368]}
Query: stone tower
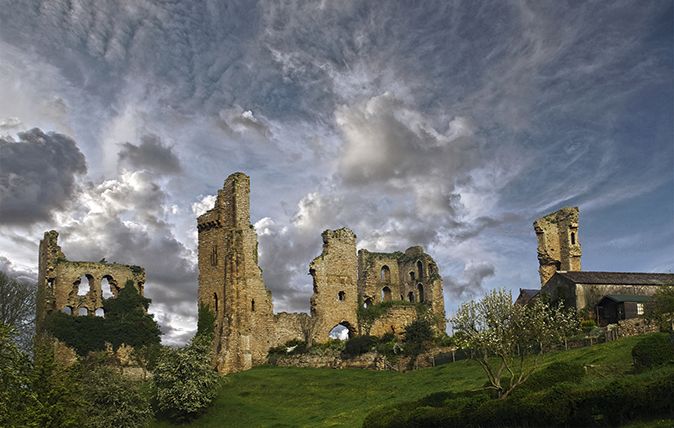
{"type": "Point", "coordinates": [558, 244]}
{"type": "Point", "coordinates": [230, 280]}
{"type": "Point", "coordinates": [335, 279]}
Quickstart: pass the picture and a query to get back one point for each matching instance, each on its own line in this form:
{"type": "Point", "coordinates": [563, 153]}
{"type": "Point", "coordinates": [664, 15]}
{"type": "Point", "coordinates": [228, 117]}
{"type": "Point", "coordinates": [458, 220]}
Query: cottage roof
{"type": "Point", "coordinates": [621, 298]}
{"type": "Point", "coordinates": [618, 278]}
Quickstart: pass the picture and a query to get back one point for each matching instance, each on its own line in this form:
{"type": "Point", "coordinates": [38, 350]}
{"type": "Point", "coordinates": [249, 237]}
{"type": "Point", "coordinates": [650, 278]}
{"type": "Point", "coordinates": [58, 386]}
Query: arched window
{"type": "Point", "coordinates": [410, 296]}
{"type": "Point", "coordinates": [341, 296]}
{"type": "Point", "coordinates": [412, 276]}
{"type": "Point", "coordinates": [420, 292]}
{"type": "Point", "coordinates": [385, 274]}
{"type": "Point", "coordinates": [573, 238]}
{"type": "Point", "coordinates": [83, 286]}
{"type": "Point", "coordinates": [367, 302]}
{"type": "Point", "coordinates": [83, 312]}
{"type": "Point", "coordinates": [431, 268]}
{"type": "Point", "coordinates": [252, 305]}
{"type": "Point", "coordinates": [100, 312]}
{"type": "Point", "coordinates": [420, 269]}
{"type": "Point", "coordinates": [106, 286]}
{"type": "Point", "coordinates": [385, 294]}
{"type": "Point", "coordinates": [215, 302]}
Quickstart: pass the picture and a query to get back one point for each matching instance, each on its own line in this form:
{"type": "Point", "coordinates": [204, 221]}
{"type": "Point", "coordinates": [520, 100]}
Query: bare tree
{"type": "Point", "coordinates": [308, 324]}
{"type": "Point", "coordinates": [17, 308]}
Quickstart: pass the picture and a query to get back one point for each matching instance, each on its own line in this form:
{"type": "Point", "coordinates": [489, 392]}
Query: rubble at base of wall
{"type": "Point", "coordinates": [369, 361]}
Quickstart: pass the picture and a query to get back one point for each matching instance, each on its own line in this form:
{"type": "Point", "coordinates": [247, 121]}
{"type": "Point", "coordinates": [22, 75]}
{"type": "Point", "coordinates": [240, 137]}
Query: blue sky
{"type": "Point", "coordinates": [447, 124]}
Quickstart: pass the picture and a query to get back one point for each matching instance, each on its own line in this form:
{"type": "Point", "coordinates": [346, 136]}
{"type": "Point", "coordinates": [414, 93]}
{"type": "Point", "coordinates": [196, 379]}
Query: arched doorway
{"type": "Point", "coordinates": [420, 292]}
{"type": "Point", "coordinates": [341, 331]}
{"type": "Point", "coordinates": [410, 296]}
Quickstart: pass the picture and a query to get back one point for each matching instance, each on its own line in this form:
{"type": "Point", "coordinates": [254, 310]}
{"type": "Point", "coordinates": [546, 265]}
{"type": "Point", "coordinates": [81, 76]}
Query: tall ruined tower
{"type": "Point", "coordinates": [558, 244]}
{"type": "Point", "coordinates": [230, 280]}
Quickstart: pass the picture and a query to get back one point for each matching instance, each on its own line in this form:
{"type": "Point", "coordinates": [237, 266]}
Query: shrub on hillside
{"type": "Point", "coordinates": [555, 373]}
{"type": "Point", "coordinates": [358, 345]}
{"type": "Point", "coordinates": [185, 382]}
{"type": "Point", "coordinates": [652, 350]}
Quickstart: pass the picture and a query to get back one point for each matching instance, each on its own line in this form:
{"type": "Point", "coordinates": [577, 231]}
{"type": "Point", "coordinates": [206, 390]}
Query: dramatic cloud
{"type": "Point", "coordinates": [151, 155]}
{"type": "Point", "coordinates": [37, 175]}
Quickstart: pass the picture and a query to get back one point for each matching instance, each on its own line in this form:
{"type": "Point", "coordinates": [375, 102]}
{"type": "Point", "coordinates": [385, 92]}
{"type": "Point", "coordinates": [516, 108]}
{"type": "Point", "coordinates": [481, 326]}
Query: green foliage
{"type": "Point", "coordinates": [418, 337]}
{"type": "Point", "coordinates": [111, 400]}
{"type": "Point", "coordinates": [368, 315]}
{"type": "Point", "coordinates": [555, 373]}
{"type": "Point", "coordinates": [126, 322]}
{"type": "Point", "coordinates": [558, 405]}
{"type": "Point", "coordinates": [662, 309]}
{"type": "Point", "coordinates": [184, 380]}
{"type": "Point", "coordinates": [652, 351]}
{"type": "Point", "coordinates": [205, 321]}
{"type": "Point", "coordinates": [18, 403]}
{"type": "Point", "coordinates": [358, 345]}
{"type": "Point", "coordinates": [291, 347]}
{"type": "Point", "coordinates": [588, 325]}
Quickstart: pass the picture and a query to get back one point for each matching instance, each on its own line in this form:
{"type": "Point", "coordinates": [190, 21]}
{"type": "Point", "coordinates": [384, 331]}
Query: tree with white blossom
{"type": "Point", "coordinates": [508, 340]}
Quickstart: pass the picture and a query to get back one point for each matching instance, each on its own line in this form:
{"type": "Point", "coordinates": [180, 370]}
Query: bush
{"type": "Point", "coordinates": [113, 401]}
{"type": "Point", "coordinates": [358, 345]}
{"type": "Point", "coordinates": [555, 373]}
{"type": "Point", "coordinates": [185, 382]}
{"type": "Point", "coordinates": [418, 336]}
{"type": "Point", "coordinates": [652, 350]}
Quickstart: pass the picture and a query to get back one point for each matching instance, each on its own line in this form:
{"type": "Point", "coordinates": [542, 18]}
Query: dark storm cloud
{"type": "Point", "coordinates": [37, 175]}
{"type": "Point", "coordinates": [151, 155]}
{"type": "Point", "coordinates": [7, 266]}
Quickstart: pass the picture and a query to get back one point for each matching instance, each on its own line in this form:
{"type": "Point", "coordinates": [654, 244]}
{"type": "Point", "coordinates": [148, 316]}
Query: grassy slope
{"type": "Point", "coordinates": [285, 397]}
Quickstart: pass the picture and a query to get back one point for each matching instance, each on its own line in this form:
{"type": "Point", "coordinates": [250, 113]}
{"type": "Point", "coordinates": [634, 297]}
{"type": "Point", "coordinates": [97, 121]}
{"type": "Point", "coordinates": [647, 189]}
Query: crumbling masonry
{"type": "Point", "coordinates": [78, 288]}
{"type": "Point", "coordinates": [558, 244]}
{"type": "Point", "coordinates": [231, 285]}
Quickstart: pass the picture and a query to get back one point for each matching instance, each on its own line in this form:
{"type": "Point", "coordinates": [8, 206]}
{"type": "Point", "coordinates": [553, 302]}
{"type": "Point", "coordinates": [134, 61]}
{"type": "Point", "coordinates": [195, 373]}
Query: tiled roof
{"type": "Point", "coordinates": [621, 278]}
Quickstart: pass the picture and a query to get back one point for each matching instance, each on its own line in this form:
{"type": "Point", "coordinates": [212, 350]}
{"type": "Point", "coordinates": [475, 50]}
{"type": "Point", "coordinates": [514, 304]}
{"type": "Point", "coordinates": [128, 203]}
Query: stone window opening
{"type": "Point", "coordinates": [83, 285]}
{"type": "Point", "coordinates": [341, 331]}
{"type": "Point", "coordinates": [106, 286]}
{"type": "Point", "coordinates": [385, 274]}
{"type": "Point", "coordinates": [215, 302]}
{"type": "Point", "coordinates": [341, 296]}
{"type": "Point", "coordinates": [67, 310]}
{"type": "Point", "coordinates": [82, 312]}
{"type": "Point", "coordinates": [420, 269]}
{"type": "Point", "coordinates": [410, 296]}
{"type": "Point", "coordinates": [252, 305]}
{"type": "Point", "coordinates": [573, 238]}
{"type": "Point", "coordinates": [420, 292]}
{"type": "Point", "coordinates": [214, 256]}
{"type": "Point", "coordinates": [431, 269]}
{"type": "Point", "coordinates": [100, 312]}
{"type": "Point", "coordinates": [367, 302]}
{"type": "Point", "coordinates": [640, 308]}
{"type": "Point", "coordinates": [386, 294]}
{"type": "Point", "coordinates": [412, 276]}
{"type": "Point", "coordinates": [50, 284]}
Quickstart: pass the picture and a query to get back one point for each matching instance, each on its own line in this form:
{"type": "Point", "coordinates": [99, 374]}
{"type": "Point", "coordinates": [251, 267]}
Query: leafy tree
{"type": "Point", "coordinates": [112, 401]}
{"type": "Point", "coordinates": [662, 309]}
{"type": "Point", "coordinates": [18, 403]}
{"type": "Point", "coordinates": [205, 320]}
{"type": "Point", "coordinates": [185, 382]}
{"type": "Point", "coordinates": [508, 340]}
{"type": "Point", "coordinates": [127, 320]}
{"type": "Point", "coordinates": [17, 308]}
{"type": "Point", "coordinates": [418, 337]}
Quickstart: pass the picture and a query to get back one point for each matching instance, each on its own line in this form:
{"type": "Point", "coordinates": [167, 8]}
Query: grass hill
{"type": "Point", "coordinates": [290, 397]}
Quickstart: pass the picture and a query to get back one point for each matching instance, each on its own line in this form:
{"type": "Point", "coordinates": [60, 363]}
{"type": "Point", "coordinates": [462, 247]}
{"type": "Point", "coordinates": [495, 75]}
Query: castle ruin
{"type": "Point", "coordinates": [232, 287]}
{"type": "Point", "coordinates": [78, 288]}
{"type": "Point", "coordinates": [558, 244]}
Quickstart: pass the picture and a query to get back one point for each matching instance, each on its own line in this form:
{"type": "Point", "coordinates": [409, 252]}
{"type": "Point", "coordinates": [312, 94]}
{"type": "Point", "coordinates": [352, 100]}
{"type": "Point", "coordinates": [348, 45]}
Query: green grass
{"type": "Point", "coordinates": [292, 397]}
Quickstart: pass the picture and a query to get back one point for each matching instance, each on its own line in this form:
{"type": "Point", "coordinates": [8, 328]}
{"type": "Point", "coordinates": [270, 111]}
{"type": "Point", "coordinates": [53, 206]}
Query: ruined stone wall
{"type": "Point", "coordinates": [376, 272]}
{"type": "Point", "coordinates": [290, 326]}
{"type": "Point", "coordinates": [558, 243]}
{"type": "Point", "coordinates": [59, 281]}
{"type": "Point", "coordinates": [335, 279]}
{"type": "Point", "coordinates": [230, 280]}
{"type": "Point", "coordinates": [394, 321]}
